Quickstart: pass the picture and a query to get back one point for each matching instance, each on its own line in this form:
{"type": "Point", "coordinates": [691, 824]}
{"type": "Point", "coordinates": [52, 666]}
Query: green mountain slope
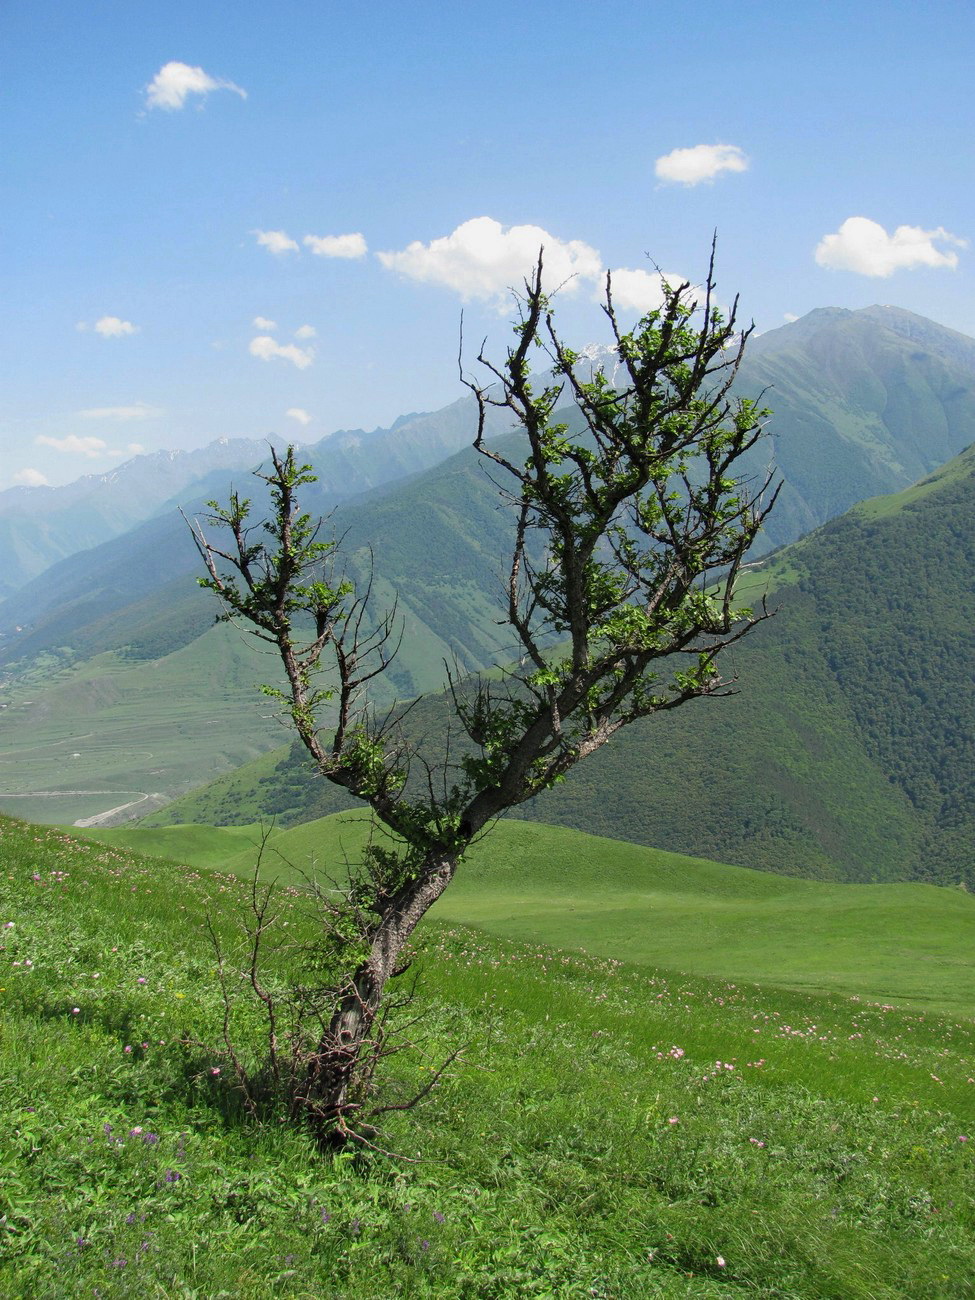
{"type": "Point", "coordinates": [847, 752]}
{"type": "Point", "coordinates": [864, 402]}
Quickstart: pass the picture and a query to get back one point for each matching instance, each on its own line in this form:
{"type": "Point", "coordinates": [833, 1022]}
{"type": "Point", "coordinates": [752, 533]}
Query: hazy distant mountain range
{"type": "Point", "coordinates": [41, 525]}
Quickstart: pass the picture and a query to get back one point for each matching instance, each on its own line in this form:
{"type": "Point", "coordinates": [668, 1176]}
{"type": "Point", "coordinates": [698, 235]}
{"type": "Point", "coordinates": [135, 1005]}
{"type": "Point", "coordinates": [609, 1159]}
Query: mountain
{"type": "Point", "coordinates": [437, 542]}
{"type": "Point", "coordinates": [41, 525]}
{"type": "Point", "coordinates": [864, 402]}
{"type": "Point", "coordinates": [848, 752]}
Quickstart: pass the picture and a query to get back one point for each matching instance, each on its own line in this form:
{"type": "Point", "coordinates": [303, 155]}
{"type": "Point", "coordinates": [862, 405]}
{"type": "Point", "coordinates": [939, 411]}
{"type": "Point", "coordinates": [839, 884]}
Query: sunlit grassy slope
{"type": "Point", "coordinates": [905, 943]}
{"type": "Point", "coordinates": [608, 1131]}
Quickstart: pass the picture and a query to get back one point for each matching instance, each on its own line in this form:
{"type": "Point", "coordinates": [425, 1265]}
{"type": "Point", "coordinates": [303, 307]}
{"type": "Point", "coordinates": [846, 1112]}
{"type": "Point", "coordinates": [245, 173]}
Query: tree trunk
{"type": "Point", "coordinates": [340, 1067]}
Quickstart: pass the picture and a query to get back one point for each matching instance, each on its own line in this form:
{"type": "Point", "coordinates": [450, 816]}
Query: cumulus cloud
{"type": "Point", "coordinates": [276, 241]}
{"type": "Point", "coordinates": [72, 445]}
{"type": "Point", "coordinates": [267, 348]}
{"type": "Point", "coordinates": [701, 163]}
{"type": "Point", "coordinates": [642, 291]}
{"type": "Point", "coordinates": [296, 413]}
{"type": "Point", "coordinates": [135, 449]}
{"type": "Point", "coordinates": [789, 317]}
{"type": "Point", "coordinates": [137, 411]}
{"type": "Point", "coordinates": [30, 478]}
{"type": "Point", "coordinates": [348, 246]}
{"type": "Point", "coordinates": [483, 259]}
{"type": "Point", "coordinates": [175, 82]}
{"type": "Point", "coordinates": [864, 246]}
{"type": "Point", "coordinates": [262, 323]}
{"type": "Point", "coordinates": [306, 332]}
{"type": "Point", "coordinates": [111, 327]}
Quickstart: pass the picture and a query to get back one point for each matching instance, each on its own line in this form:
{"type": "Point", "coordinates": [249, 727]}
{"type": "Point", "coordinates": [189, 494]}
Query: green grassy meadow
{"type": "Point", "coordinates": [912, 944]}
{"type": "Point", "coordinates": [609, 1130]}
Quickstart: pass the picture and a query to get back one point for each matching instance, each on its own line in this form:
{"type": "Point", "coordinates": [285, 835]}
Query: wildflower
{"type": "Point", "coordinates": [720, 1262]}
{"type": "Point", "coordinates": [440, 1218]}
{"type": "Point", "coordinates": [424, 1245]}
{"type": "Point", "coordinates": [173, 1176]}
{"type": "Point", "coordinates": [214, 1069]}
{"type": "Point", "coordinates": [326, 1217]}
{"type": "Point", "coordinates": [142, 980]}
{"type": "Point", "coordinates": [962, 1137]}
{"type": "Point", "coordinates": [673, 1120]}
{"type": "Point", "coordinates": [135, 1132]}
{"type": "Point", "coordinates": [127, 1048]}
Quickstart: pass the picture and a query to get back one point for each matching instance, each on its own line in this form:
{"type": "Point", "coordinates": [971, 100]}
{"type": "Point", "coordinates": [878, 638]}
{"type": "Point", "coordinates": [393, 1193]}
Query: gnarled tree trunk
{"type": "Point", "coordinates": [332, 1096]}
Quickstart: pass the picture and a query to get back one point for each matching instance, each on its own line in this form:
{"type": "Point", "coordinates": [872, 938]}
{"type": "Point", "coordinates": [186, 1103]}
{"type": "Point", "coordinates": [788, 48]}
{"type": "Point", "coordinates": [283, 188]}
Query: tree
{"type": "Point", "coordinates": [627, 541]}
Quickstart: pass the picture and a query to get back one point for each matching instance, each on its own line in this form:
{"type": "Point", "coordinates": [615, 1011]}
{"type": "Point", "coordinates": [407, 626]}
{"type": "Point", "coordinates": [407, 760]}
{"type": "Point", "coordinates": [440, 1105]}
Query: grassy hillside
{"type": "Point", "coordinates": [544, 884]}
{"type": "Point", "coordinates": [79, 740]}
{"type": "Point", "coordinates": [608, 1131]}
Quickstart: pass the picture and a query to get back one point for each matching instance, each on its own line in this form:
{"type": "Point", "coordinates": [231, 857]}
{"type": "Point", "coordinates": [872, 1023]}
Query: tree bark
{"type": "Point", "coordinates": [331, 1099]}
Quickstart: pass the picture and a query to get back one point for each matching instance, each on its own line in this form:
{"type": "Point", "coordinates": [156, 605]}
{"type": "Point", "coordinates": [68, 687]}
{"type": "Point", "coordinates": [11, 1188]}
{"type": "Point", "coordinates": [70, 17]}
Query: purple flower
{"type": "Point", "coordinates": [173, 1176]}
{"type": "Point", "coordinates": [440, 1218]}
{"type": "Point", "coordinates": [326, 1217]}
{"type": "Point", "coordinates": [424, 1245]}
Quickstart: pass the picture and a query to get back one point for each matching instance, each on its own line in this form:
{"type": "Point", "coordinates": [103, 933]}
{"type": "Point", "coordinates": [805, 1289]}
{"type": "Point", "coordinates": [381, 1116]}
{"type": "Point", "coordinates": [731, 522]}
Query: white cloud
{"type": "Point", "coordinates": [296, 413]}
{"type": "Point", "coordinates": [174, 81]}
{"type": "Point", "coordinates": [137, 411]}
{"type": "Point", "coordinates": [789, 317]}
{"type": "Point", "coordinates": [641, 291]}
{"type": "Point", "coordinates": [701, 163]}
{"type": "Point", "coordinates": [72, 445]}
{"type": "Point", "coordinates": [135, 449]}
{"type": "Point", "coordinates": [306, 332]}
{"type": "Point", "coordinates": [267, 348]}
{"type": "Point", "coordinates": [348, 246]}
{"type": "Point", "coordinates": [276, 241]}
{"type": "Point", "coordinates": [30, 478]}
{"type": "Point", "coordinates": [112, 327]}
{"type": "Point", "coordinates": [262, 323]}
{"type": "Point", "coordinates": [863, 246]}
{"type": "Point", "coordinates": [483, 259]}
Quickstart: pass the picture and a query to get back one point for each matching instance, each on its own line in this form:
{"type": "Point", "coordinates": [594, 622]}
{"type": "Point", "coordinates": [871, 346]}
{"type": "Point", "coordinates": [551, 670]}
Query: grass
{"type": "Point", "coordinates": [910, 944]}
{"type": "Point", "coordinates": [609, 1131]}
{"type": "Point", "coordinates": [94, 736]}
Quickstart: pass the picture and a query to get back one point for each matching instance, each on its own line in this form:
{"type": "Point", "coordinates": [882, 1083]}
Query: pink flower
{"type": "Point", "coordinates": [214, 1069]}
{"type": "Point", "coordinates": [720, 1261]}
{"type": "Point", "coordinates": [127, 1048]}
{"type": "Point", "coordinates": [673, 1120]}
{"type": "Point", "coordinates": [76, 1011]}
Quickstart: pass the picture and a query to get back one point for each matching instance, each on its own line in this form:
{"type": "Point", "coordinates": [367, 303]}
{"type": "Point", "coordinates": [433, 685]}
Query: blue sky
{"type": "Point", "coordinates": [217, 214]}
